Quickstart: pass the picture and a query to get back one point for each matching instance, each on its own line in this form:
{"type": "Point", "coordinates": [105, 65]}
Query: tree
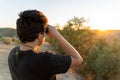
{"type": "Point", "coordinates": [77, 22]}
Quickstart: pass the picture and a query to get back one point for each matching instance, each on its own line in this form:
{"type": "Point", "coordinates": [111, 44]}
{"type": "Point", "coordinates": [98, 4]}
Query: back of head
{"type": "Point", "coordinates": [29, 24]}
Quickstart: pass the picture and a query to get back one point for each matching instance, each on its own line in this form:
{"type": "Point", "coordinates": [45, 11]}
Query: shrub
{"type": "Point", "coordinates": [104, 60]}
{"type": "Point", "coordinates": [17, 41]}
{"type": "Point", "coordinates": [7, 40]}
{"type": "Point", "coordinates": [14, 38]}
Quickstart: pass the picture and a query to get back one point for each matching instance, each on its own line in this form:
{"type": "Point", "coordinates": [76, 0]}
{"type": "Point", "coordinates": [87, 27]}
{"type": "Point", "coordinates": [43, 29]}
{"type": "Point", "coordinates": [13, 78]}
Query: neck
{"type": "Point", "coordinates": [30, 46]}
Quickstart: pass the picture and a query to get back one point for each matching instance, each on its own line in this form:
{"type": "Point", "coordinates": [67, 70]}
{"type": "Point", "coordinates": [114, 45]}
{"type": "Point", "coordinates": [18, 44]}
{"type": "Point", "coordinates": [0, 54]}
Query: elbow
{"type": "Point", "coordinates": [80, 60]}
{"type": "Point", "coordinates": [77, 61]}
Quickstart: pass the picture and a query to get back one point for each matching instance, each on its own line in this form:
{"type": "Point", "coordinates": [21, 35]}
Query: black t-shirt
{"type": "Point", "coordinates": [26, 65]}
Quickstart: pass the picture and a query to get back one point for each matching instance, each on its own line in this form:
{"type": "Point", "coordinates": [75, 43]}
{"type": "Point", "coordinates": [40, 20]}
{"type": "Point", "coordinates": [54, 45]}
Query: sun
{"type": "Point", "coordinates": [103, 29]}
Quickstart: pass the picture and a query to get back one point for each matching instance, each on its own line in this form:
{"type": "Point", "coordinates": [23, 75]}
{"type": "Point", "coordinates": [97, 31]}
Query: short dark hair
{"type": "Point", "coordinates": [29, 24]}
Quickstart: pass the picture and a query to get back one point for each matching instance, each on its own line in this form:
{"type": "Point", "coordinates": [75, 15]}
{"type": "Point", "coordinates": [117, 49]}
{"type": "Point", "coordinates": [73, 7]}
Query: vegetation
{"type": "Point", "coordinates": [17, 41]}
{"type": "Point", "coordinates": [8, 35]}
{"type": "Point", "coordinates": [104, 60]}
{"type": "Point", "coordinates": [101, 59]}
{"type": "Point", "coordinates": [7, 40]}
{"type": "Point", "coordinates": [75, 33]}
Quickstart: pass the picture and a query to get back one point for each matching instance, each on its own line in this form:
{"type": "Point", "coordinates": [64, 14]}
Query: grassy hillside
{"type": "Point", "coordinates": [9, 32]}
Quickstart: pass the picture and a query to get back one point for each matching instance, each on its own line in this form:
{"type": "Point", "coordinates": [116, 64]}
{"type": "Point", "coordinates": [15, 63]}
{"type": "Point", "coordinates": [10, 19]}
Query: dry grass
{"type": "Point", "coordinates": [109, 35]}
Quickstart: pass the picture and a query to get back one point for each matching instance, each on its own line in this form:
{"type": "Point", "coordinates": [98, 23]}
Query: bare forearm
{"type": "Point", "coordinates": [68, 48]}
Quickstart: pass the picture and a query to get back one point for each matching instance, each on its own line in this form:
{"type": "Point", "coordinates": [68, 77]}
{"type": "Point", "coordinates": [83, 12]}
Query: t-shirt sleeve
{"type": "Point", "coordinates": [59, 63]}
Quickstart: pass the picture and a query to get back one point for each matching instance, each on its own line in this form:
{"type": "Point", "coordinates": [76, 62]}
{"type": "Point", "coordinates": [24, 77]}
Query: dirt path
{"type": "Point", "coordinates": [4, 70]}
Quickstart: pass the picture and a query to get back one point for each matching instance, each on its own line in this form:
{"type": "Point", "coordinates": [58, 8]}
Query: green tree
{"type": "Point", "coordinates": [77, 22]}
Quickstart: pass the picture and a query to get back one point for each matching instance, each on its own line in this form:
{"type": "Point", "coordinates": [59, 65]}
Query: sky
{"type": "Point", "coordinates": [102, 14]}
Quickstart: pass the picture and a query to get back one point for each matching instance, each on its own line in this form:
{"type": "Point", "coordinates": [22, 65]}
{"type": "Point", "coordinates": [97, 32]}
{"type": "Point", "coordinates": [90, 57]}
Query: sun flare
{"type": "Point", "coordinates": [102, 29]}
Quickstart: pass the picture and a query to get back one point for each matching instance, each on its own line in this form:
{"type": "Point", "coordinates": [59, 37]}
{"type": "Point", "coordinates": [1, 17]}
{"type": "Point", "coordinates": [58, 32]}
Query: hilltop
{"type": "Point", "coordinates": [8, 32]}
{"type": "Point", "coordinates": [108, 34]}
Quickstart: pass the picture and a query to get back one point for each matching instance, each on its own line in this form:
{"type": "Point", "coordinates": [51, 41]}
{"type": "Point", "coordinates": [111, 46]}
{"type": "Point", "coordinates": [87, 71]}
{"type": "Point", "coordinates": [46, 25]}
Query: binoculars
{"type": "Point", "coordinates": [46, 30]}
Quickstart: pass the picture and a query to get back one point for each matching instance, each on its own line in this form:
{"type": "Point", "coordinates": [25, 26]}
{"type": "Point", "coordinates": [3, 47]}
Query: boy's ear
{"type": "Point", "coordinates": [39, 36]}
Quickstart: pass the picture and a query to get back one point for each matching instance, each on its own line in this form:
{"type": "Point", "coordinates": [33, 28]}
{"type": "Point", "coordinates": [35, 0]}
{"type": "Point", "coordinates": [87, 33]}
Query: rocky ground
{"type": "Point", "coordinates": [4, 70]}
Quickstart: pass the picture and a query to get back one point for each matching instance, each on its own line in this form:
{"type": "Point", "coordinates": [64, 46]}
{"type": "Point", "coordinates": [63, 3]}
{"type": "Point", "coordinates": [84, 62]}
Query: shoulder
{"type": "Point", "coordinates": [15, 48]}
{"type": "Point", "coordinates": [13, 51]}
{"type": "Point", "coordinates": [59, 63]}
{"type": "Point", "coordinates": [42, 56]}
{"type": "Point", "coordinates": [46, 53]}
{"type": "Point", "coordinates": [54, 56]}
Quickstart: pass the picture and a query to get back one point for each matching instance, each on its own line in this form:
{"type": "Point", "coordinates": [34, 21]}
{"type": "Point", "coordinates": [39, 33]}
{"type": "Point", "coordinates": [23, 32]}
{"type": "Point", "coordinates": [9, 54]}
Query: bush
{"type": "Point", "coordinates": [14, 38]}
{"type": "Point", "coordinates": [17, 41]}
{"type": "Point", "coordinates": [7, 40]}
{"type": "Point", "coordinates": [104, 60]}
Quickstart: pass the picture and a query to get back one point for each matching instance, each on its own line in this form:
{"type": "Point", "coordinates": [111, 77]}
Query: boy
{"type": "Point", "coordinates": [26, 63]}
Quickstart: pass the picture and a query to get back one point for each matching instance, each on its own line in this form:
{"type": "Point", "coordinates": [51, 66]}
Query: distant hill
{"type": "Point", "coordinates": [8, 32]}
{"type": "Point", "coordinates": [109, 34]}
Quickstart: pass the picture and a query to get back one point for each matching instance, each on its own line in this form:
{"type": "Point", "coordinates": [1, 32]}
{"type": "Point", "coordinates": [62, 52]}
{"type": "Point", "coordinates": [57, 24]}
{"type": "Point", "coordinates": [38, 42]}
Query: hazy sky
{"type": "Point", "coordinates": [103, 14]}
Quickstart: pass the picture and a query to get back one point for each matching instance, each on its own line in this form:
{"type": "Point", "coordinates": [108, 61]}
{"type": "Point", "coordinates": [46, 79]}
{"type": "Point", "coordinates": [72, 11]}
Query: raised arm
{"type": "Point", "coordinates": [68, 48]}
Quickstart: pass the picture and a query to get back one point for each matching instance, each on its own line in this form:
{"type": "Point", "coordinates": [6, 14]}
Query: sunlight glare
{"type": "Point", "coordinates": [103, 29]}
